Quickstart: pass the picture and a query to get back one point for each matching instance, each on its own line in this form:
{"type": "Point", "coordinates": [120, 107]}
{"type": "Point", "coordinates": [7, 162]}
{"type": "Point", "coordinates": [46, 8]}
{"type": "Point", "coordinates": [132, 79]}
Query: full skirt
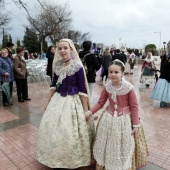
{"type": "Point", "coordinates": [105, 148]}
{"type": "Point", "coordinates": [114, 144]}
{"type": "Point", "coordinates": [65, 138]}
{"type": "Point", "coordinates": [161, 91]}
{"type": "Point", "coordinates": [147, 76]}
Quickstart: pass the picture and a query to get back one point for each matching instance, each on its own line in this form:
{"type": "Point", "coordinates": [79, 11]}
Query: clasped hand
{"type": "Point", "coordinates": [134, 131]}
{"type": "Point", "coordinates": [87, 115]}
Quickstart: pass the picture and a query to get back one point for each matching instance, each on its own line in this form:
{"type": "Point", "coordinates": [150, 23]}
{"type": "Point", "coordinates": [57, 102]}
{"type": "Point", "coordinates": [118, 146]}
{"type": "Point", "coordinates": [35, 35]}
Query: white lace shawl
{"type": "Point", "coordinates": [124, 89]}
{"type": "Point", "coordinates": [63, 71]}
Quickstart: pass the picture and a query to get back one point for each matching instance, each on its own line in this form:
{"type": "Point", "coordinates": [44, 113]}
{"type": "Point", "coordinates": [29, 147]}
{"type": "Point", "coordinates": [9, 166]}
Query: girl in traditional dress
{"type": "Point", "coordinates": [148, 67]}
{"type": "Point", "coordinates": [161, 91]}
{"type": "Point", "coordinates": [64, 137]}
{"type": "Point", "coordinates": [132, 62]}
{"type": "Point", "coordinates": [114, 145]}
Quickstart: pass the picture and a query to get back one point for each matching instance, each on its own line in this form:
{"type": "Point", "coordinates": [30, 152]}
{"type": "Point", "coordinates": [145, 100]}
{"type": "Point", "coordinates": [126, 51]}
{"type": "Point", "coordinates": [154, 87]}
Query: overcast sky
{"type": "Point", "coordinates": [108, 21]}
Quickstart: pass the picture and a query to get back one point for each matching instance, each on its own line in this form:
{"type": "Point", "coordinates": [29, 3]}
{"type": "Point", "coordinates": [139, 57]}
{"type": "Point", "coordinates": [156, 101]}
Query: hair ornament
{"type": "Point", "coordinates": [117, 60]}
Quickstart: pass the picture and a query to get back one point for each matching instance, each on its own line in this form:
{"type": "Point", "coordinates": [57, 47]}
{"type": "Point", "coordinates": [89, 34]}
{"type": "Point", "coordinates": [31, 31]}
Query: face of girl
{"type": "Point", "coordinates": [64, 50]}
{"type": "Point", "coordinates": [149, 55]}
{"type": "Point", "coordinates": [115, 73]}
{"type": "Point", "coordinates": [4, 53]}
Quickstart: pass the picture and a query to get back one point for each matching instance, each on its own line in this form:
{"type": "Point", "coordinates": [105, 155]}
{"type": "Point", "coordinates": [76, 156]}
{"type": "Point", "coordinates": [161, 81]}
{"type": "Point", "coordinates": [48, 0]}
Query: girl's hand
{"type": "Point", "coordinates": [134, 131]}
{"type": "Point", "coordinates": [87, 115]}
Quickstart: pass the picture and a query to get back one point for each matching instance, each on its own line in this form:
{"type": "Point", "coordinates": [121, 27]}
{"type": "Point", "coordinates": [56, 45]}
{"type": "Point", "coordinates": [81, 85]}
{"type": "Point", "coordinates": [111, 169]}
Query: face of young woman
{"type": "Point", "coordinates": [52, 50]}
{"type": "Point", "coordinates": [115, 73]}
{"type": "Point", "coordinates": [64, 50]}
{"type": "Point", "coordinates": [21, 54]}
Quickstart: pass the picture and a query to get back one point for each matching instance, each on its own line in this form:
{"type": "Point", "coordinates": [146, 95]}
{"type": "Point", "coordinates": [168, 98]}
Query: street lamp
{"type": "Point", "coordinates": [144, 44]}
{"type": "Point", "coordinates": [159, 42]}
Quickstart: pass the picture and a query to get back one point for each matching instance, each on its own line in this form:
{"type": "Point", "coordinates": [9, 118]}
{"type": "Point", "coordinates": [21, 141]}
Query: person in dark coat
{"type": "Point", "coordinates": [91, 62]}
{"type": "Point", "coordinates": [21, 74]}
{"type": "Point", "coordinates": [124, 56]}
{"type": "Point", "coordinates": [50, 57]}
{"type": "Point", "coordinates": [106, 62]}
{"type": "Point", "coordinates": [161, 91]}
{"type": "Point", "coordinates": [163, 58]}
{"type": "Point", "coordinates": [9, 47]}
{"type": "Point", "coordinates": [118, 56]}
{"type": "Point", "coordinates": [26, 55]}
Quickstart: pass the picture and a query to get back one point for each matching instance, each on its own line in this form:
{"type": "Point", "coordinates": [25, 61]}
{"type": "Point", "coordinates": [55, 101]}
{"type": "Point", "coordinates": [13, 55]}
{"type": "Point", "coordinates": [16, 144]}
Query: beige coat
{"type": "Point", "coordinates": [20, 68]}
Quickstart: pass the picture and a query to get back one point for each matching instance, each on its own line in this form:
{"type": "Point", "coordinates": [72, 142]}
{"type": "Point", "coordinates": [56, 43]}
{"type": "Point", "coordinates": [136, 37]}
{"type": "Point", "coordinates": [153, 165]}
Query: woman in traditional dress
{"type": "Point", "coordinates": [127, 65]}
{"type": "Point", "coordinates": [148, 67]}
{"type": "Point", "coordinates": [161, 91]}
{"type": "Point", "coordinates": [65, 138]}
{"type": "Point", "coordinates": [132, 62]}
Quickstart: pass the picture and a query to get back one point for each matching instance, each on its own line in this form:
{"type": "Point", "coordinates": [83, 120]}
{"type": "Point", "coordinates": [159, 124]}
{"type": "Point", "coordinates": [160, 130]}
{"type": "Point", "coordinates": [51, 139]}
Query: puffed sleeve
{"type": "Point", "coordinates": [2, 72]}
{"type": "Point", "coordinates": [102, 100]}
{"type": "Point", "coordinates": [53, 85]}
{"type": "Point", "coordinates": [133, 104]}
{"type": "Point", "coordinates": [81, 82]}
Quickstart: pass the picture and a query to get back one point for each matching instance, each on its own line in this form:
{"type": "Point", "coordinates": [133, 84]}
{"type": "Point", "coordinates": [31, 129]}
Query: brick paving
{"type": "Point", "coordinates": [19, 126]}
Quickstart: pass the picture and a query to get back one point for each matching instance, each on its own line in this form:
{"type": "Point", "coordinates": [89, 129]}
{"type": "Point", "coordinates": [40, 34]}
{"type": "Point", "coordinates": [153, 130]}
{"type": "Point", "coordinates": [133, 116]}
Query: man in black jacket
{"type": "Point", "coordinates": [91, 62]}
{"type": "Point", "coordinates": [119, 56]}
{"type": "Point", "coordinates": [9, 46]}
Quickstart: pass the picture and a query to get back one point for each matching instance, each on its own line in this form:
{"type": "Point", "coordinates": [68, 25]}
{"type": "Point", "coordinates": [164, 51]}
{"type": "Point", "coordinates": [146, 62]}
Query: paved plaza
{"type": "Point", "coordinates": [19, 126]}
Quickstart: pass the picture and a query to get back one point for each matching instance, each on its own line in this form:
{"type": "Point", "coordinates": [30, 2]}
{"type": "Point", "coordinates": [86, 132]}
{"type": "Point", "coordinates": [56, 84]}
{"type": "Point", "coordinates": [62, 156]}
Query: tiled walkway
{"type": "Point", "coordinates": [19, 126]}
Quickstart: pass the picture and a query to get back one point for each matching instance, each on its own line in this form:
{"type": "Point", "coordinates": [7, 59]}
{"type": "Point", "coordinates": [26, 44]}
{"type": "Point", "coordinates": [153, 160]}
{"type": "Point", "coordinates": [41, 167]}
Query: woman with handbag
{"type": "Point", "coordinates": [6, 73]}
{"type": "Point", "coordinates": [148, 67]}
{"type": "Point", "coordinates": [21, 75]}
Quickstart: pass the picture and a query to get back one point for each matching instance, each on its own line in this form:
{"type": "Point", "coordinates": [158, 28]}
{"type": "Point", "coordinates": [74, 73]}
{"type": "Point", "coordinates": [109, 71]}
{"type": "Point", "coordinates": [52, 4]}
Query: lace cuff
{"type": "Point", "coordinates": [83, 94]}
{"type": "Point", "coordinates": [136, 126]}
{"type": "Point", "coordinates": [51, 88]}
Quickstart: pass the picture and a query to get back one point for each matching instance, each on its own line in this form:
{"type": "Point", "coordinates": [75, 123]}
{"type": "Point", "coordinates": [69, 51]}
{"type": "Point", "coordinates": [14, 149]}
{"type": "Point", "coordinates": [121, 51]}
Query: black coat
{"type": "Point", "coordinates": [50, 57]}
{"type": "Point", "coordinates": [119, 57]}
{"type": "Point", "coordinates": [92, 65]}
{"type": "Point", "coordinates": [9, 53]}
{"type": "Point", "coordinates": [163, 61]}
{"type": "Point", "coordinates": [165, 74]}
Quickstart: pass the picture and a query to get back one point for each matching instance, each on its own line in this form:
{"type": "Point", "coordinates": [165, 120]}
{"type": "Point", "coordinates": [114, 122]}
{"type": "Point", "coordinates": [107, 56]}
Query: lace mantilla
{"type": "Point", "coordinates": [124, 89]}
{"type": "Point", "coordinates": [63, 71]}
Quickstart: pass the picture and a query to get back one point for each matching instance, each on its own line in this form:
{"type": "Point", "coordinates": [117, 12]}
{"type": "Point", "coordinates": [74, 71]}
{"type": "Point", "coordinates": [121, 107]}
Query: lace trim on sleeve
{"type": "Point", "coordinates": [51, 88]}
{"type": "Point", "coordinates": [137, 125]}
{"type": "Point", "coordinates": [83, 94]}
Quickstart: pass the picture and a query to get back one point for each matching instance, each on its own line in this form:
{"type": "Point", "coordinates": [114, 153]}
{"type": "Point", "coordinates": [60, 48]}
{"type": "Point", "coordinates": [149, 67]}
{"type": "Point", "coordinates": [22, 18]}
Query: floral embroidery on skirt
{"type": "Point", "coordinates": [65, 138]}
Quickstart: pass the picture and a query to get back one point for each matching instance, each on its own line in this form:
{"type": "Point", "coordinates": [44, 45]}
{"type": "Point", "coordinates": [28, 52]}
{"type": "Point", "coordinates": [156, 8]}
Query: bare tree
{"type": "Point", "coordinates": [78, 37]}
{"type": "Point", "coordinates": [51, 22]}
{"type": "Point", "coordinates": [4, 17]}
